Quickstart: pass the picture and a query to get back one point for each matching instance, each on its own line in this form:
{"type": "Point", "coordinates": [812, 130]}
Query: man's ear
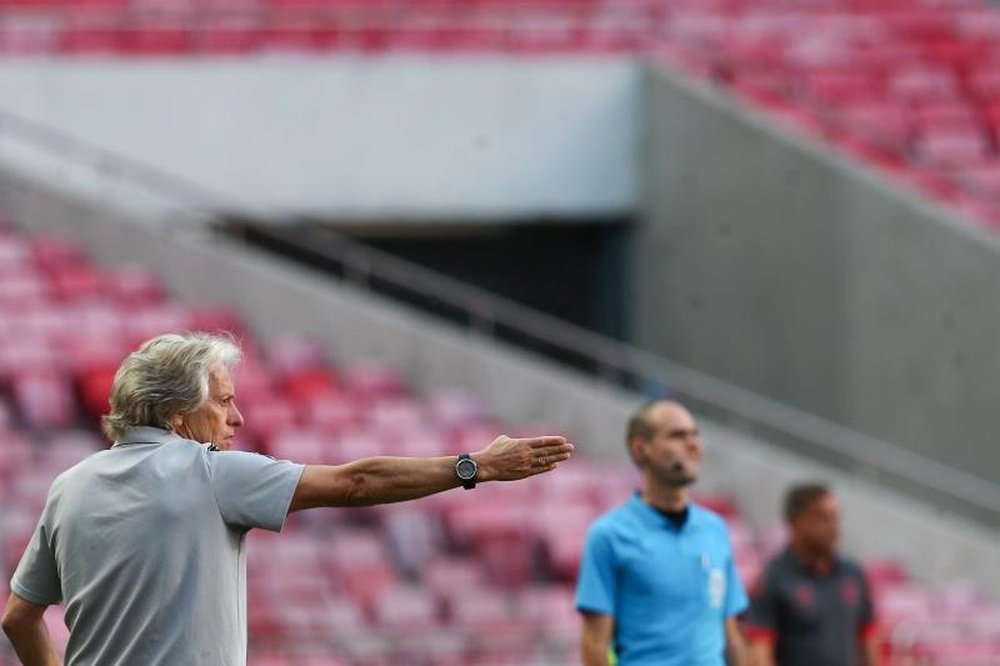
{"type": "Point", "coordinates": [637, 451]}
{"type": "Point", "coordinates": [176, 422]}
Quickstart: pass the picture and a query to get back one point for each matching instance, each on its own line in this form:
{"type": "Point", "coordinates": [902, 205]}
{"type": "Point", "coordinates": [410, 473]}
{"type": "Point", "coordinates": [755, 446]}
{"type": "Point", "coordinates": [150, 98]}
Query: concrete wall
{"type": "Point", "coordinates": [771, 261]}
{"type": "Point", "coordinates": [277, 296]}
{"type": "Point", "coordinates": [363, 138]}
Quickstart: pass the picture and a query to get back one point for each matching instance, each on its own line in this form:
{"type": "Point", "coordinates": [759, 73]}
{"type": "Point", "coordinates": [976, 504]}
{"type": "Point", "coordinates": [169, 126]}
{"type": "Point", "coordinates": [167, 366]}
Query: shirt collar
{"type": "Point", "coordinates": [801, 566]}
{"type": "Point", "coordinates": [146, 435]}
{"type": "Point", "coordinates": [654, 519]}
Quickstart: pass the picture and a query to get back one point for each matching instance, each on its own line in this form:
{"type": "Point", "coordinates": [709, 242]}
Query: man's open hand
{"type": "Point", "coordinates": [509, 459]}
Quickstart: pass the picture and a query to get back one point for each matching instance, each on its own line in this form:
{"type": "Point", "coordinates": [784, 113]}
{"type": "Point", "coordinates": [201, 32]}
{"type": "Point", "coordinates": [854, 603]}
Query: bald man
{"type": "Point", "coordinates": [657, 583]}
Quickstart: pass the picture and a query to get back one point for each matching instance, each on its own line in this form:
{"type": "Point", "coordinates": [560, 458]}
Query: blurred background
{"type": "Point", "coordinates": [432, 221]}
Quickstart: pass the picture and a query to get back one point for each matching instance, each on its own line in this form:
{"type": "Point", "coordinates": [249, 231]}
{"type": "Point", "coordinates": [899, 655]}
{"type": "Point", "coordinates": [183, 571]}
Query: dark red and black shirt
{"type": "Point", "coordinates": [812, 619]}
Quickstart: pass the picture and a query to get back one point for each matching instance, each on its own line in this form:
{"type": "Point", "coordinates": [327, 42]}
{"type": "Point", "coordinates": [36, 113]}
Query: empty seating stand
{"type": "Point", "coordinates": [911, 87]}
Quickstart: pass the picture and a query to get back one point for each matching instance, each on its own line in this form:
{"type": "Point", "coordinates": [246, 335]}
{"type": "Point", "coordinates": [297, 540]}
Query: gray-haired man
{"type": "Point", "coordinates": [144, 542]}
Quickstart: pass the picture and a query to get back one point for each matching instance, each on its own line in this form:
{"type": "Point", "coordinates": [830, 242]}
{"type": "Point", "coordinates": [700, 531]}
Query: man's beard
{"type": "Point", "coordinates": [679, 476]}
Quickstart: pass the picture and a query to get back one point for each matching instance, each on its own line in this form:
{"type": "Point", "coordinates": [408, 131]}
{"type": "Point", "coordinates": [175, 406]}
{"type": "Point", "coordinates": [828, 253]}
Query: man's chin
{"type": "Point", "coordinates": [681, 481]}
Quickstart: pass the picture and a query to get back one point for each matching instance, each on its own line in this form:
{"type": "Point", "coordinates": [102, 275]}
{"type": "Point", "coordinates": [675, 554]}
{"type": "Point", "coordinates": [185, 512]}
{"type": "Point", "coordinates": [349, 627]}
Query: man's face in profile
{"type": "Point", "coordinates": [215, 421]}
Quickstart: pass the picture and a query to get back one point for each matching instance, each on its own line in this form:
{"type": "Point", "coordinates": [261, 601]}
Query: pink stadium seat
{"type": "Point", "coordinates": [292, 353]}
{"type": "Point", "coordinates": [946, 116]}
{"type": "Point", "coordinates": [45, 399]}
{"type": "Point", "coordinates": [52, 251]}
{"type": "Point", "coordinates": [332, 413]}
{"type": "Point", "coordinates": [844, 86]}
{"type": "Point", "coordinates": [135, 286]}
{"type": "Point", "coordinates": [358, 443]}
{"type": "Point", "coordinates": [269, 415]}
{"type": "Point", "coordinates": [952, 147]}
{"type": "Point", "coordinates": [551, 611]}
{"type": "Point", "coordinates": [304, 446]}
{"type": "Point", "coordinates": [370, 381]}
{"type": "Point", "coordinates": [28, 35]}
{"type": "Point", "coordinates": [922, 84]}
{"type": "Point", "coordinates": [982, 178]}
{"type": "Point", "coordinates": [445, 574]}
{"type": "Point", "coordinates": [220, 320]}
{"type": "Point", "coordinates": [406, 608]}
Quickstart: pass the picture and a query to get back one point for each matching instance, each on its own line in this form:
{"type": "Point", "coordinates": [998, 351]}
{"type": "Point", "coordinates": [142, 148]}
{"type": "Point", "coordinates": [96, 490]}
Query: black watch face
{"type": "Point", "coordinates": [466, 469]}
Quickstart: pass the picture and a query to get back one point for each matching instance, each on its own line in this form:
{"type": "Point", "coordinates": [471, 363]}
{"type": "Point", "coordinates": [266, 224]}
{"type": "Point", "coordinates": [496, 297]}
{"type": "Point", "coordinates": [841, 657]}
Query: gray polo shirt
{"type": "Point", "coordinates": [144, 543]}
{"type": "Point", "coordinates": [812, 619]}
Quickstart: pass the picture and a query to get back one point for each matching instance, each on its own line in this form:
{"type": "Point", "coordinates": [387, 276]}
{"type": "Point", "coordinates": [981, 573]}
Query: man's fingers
{"type": "Point", "coordinates": [547, 457]}
{"type": "Point", "coordinates": [561, 452]}
{"type": "Point", "coordinates": [545, 442]}
{"type": "Point", "coordinates": [543, 470]}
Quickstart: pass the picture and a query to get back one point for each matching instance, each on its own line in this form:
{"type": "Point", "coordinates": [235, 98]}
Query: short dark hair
{"type": "Point", "coordinates": [800, 497]}
{"type": "Point", "coordinates": [640, 424]}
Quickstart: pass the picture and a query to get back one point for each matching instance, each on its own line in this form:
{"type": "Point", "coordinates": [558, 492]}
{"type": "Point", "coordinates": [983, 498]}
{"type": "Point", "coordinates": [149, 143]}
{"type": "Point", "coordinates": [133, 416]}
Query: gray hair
{"type": "Point", "coordinates": [166, 377]}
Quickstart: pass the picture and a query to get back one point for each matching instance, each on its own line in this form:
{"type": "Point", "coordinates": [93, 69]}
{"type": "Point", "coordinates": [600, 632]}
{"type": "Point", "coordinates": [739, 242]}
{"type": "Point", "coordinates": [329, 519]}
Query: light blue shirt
{"type": "Point", "coordinates": [669, 590]}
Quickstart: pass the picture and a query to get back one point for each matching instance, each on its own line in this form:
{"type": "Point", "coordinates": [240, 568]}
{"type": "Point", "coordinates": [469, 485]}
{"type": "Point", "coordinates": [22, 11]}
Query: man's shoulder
{"type": "Point", "coordinates": [850, 567]}
{"type": "Point", "coordinates": [779, 565]}
{"type": "Point", "coordinates": [81, 469]}
{"type": "Point", "coordinates": [708, 519]}
{"type": "Point", "coordinates": [613, 520]}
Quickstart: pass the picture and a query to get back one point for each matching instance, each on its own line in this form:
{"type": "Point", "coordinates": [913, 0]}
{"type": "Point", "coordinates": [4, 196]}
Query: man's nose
{"type": "Point", "coordinates": [235, 417]}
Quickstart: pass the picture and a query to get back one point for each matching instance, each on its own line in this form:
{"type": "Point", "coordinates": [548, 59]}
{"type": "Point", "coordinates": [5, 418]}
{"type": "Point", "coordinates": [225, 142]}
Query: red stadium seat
{"type": "Point", "coordinates": [156, 39]}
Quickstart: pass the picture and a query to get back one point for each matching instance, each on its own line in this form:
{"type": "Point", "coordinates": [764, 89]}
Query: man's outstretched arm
{"type": "Point", "coordinates": [24, 626]}
{"type": "Point", "coordinates": [385, 479]}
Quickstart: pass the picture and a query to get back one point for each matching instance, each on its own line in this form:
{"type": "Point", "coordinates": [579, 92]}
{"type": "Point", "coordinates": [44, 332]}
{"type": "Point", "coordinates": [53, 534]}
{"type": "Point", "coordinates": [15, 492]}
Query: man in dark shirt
{"type": "Point", "coordinates": [813, 607]}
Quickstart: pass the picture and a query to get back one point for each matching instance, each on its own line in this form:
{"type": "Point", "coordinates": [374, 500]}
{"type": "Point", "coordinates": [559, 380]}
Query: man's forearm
{"type": "Point", "coordinates": [737, 653]}
{"type": "Point", "coordinates": [871, 651]}
{"type": "Point", "coordinates": [385, 479]}
{"type": "Point", "coordinates": [761, 653]}
{"type": "Point", "coordinates": [595, 655]}
{"type": "Point", "coordinates": [376, 480]}
{"type": "Point", "coordinates": [32, 644]}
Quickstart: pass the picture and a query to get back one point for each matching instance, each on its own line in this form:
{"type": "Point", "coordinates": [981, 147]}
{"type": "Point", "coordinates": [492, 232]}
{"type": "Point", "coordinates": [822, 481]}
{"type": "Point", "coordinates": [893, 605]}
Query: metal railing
{"type": "Point", "coordinates": [613, 362]}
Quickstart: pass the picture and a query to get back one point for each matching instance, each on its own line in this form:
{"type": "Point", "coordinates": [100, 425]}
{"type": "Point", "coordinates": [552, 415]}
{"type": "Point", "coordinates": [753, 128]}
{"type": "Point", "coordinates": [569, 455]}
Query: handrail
{"type": "Point", "coordinates": [617, 362]}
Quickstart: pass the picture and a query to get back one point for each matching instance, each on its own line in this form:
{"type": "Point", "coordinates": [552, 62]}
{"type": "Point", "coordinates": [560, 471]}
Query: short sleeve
{"type": "Point", "coordinates": [762, 620]}
{"type": "Point", "coordinates": [253, 490]}
{"type": "Point", "coordinates": [866, 617]}
{"type": "Point", "coordinates": [36, 578]}
{"type": "Point", "coordinates": [736, 595]}
{"type": "Point", "coordinates": [596, 584]}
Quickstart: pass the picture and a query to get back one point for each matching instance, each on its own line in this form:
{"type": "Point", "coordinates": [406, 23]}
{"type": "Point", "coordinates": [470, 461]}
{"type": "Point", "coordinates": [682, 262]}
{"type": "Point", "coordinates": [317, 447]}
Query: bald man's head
{"type": "Point", "coordinates": [664, 443]}
{"type": "Point", "coordinates": [645, 421]}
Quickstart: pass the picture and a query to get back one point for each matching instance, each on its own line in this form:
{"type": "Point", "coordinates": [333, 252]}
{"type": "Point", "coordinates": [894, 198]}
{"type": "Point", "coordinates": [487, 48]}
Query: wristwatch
{"type": "Point", "coordinates": [467, 471]}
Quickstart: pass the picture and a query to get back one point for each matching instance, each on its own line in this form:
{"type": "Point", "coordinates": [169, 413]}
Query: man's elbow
{"type": "Point", "coordinates": [11, 621]}
{"type": "Point", "coordinates": [19, 614]}
{"type": "Point", "coordinates": [7, 625]}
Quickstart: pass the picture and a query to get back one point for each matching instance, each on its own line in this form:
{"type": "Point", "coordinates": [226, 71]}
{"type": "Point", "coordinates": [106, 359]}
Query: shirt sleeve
{"type": "Point", "coordinates": [36, 578]}
{"type": "Point", "coordinates": [867, 621]}
{"type": "Point", "coordinates": [596, 585]}
{"type": "Point", "coordinates": [253, 490]}
{"type": "Point", "coordinates": [762, 620]}
{"type": "Point", "coordinates": [736, 595]}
